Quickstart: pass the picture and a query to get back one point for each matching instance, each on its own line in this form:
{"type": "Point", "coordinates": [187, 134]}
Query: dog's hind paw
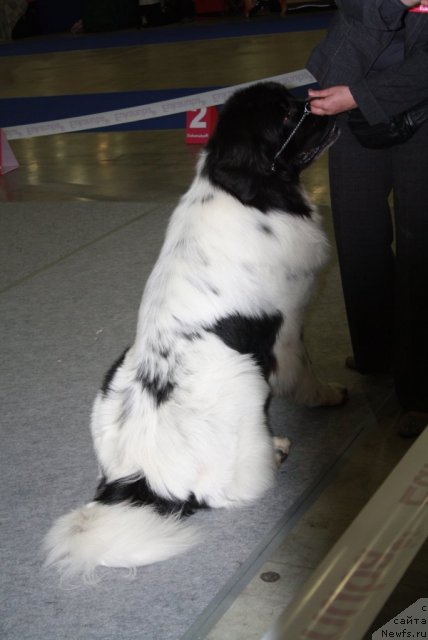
{"type": "Point", "coordinates": [281, 447]}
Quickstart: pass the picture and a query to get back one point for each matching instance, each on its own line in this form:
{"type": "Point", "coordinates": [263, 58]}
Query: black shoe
{"type": "Point", "coordinates": [411, 424]}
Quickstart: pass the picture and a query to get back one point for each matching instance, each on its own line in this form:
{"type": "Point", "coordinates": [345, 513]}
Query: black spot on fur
{"type": "Point", "coordinates": [255, 336]}
{"type": "Point", "coordinates": [266, 229]}
{"type": "Point", "coordinates": [198, 201]}
{"type": "Point", "coordinates": [106, 385]}
{"type": "Point", "coordinates": [191, 335]}
{"type": "Point", "coordinates": [298, 275]}
{"type": "Point", "coordinates": [292, 276]}
{"type": "Point", "coordinates": [137, 492]}
{"type": "Point", "coordinates": [160, 390]}
{"type": "Point", "coordinates": [184, 330]}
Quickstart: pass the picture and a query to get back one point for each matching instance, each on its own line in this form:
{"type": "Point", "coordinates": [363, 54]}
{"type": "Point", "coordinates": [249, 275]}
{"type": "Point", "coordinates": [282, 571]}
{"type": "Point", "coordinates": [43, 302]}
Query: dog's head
{"type": "Point", "coordinates": [262, 142]}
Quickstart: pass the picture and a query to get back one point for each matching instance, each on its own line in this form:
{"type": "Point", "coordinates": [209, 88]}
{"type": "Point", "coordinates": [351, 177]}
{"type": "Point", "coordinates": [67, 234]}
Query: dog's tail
{"type": "Point", "coordinates": [116, 535]}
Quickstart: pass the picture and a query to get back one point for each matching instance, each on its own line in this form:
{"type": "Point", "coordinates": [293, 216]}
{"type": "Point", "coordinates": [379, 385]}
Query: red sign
{"type": "Point", "coordinates": [200, 124]}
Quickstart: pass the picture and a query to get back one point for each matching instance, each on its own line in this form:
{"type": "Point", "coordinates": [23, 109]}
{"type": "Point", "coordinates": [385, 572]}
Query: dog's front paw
{"type": "Point", "coordinates": [281, 448]}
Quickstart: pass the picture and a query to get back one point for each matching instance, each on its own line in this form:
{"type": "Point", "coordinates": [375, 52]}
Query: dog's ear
{"type": "Point", "coordinates": [236, 180]}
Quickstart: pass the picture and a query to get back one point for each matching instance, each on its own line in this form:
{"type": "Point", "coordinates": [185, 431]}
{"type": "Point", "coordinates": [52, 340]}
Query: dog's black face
{"type": "Point", "coordinates": [244, 152]}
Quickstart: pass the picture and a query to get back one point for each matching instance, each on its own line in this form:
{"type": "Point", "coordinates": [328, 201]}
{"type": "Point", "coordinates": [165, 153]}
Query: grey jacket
{"type": "Point", "coordinates": [359, 33]}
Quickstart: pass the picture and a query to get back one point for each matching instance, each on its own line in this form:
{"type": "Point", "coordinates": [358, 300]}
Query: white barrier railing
{"type": "Point", "coordinates": [344, 595]}
{"type": "Point", "coordinates": [291, 80]}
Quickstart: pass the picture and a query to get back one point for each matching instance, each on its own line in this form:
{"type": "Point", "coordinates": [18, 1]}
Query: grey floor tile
{"type": "Point", "coordinates": [34, 236]}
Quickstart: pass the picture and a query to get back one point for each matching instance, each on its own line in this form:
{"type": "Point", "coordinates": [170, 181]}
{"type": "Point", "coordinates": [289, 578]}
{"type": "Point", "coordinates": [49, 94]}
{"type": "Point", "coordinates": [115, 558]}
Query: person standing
{"type": "Point", "coordinates": [372, 68]}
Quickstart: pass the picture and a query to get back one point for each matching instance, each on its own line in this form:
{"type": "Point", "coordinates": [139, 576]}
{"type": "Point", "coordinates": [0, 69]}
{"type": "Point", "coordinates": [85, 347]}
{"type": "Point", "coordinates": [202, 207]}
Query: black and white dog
{"type": "Point", "coordinates": [181, 419]}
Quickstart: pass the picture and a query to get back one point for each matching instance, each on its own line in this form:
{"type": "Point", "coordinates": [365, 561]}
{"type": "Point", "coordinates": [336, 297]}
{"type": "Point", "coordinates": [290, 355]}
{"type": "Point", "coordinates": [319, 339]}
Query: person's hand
{"type": "Point", "coordinates": [413, 3]}
{"type": "Point", "coordinates": [330, 101]}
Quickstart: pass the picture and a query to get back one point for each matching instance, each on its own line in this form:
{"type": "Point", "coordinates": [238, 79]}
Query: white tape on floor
{"type": "Point", "coordinates": [344, 595]}
{"type": "Point", "coordinates": [291, 80]}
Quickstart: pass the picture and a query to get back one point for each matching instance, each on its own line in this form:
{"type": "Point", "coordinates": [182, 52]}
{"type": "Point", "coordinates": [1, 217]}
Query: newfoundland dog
{"type": "Point", "coordinates": [180, 422]}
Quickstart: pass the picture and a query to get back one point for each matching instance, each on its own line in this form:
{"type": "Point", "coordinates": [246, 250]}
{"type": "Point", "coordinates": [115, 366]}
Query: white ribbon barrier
{"type": "Point", "coordinates": [344, 595]}
{"type": "Point", "coordinates": [291, 80]}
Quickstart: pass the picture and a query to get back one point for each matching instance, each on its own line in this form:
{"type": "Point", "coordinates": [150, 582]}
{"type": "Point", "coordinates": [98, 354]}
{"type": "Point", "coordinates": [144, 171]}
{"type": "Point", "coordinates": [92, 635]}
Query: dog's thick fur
{"type": "Point", "coordinates": [181, 419]}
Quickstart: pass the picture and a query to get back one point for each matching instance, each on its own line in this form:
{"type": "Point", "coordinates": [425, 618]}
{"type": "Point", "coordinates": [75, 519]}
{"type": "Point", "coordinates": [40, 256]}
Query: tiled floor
{"type": "Point", "coordinates": [156, 167]}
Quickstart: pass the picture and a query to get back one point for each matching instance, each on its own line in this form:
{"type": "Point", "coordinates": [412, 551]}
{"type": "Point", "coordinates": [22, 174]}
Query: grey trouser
{"type": "Point", "coordinates": [384, 257]}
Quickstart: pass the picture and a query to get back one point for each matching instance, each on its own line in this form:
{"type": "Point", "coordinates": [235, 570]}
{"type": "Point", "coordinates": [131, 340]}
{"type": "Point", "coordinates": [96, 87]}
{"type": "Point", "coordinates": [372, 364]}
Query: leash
{"type": "Point", "coordinates": [306, 112]}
